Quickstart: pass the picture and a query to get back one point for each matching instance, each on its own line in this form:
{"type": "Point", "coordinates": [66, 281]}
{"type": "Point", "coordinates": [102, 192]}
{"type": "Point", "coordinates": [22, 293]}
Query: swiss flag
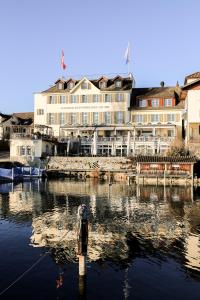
{"type": "Point", "coordinates": [63, 65]}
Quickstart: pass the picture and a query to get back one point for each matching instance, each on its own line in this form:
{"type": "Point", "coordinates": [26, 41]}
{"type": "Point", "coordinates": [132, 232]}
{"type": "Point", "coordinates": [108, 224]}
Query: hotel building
{"type": "Point", "coordinates": [109, 116]}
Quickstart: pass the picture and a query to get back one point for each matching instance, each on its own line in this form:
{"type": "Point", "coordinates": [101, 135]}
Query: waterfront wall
{"type": "Point", "coordinates": [116, 167]}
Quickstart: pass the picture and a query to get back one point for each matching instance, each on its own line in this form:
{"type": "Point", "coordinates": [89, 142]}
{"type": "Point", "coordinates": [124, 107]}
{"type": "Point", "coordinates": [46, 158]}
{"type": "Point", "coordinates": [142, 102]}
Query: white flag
{"type": "Point", "coordinates": [127, 54]}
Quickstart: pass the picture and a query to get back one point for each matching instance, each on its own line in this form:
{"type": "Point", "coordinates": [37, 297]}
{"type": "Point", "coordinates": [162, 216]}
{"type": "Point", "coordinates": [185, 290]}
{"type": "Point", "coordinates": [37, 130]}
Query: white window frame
{"type": "Point", "coordinates": [40, 111]}
{"type": "Point", "coordinates": [74, 99]}
{"type": "Point", "coordinates": [168, 102]}
{"type": "Point", "coordinates": [107, 98]}
{"type": "Point", "coordinates": [155, 118]}
{"type": "Point", "coordinates": [139, 118]}
{"type": "Point", "coordinates": [171, 118]}
{"type": "Point", "coordinates": [62, 99]}
{"type": "Point", "coordinates": [143, 103]}
{"type": "Point", "coordinates": [119, 97]}
{"type": "Point", "coordinates": [155, 102]}
{"type": "Point", "coordinates": [52, 99]}
{"type": "Point", "coordinates": [119, 117]}
{"type": "Point", "coordinates": [107, 117]}
{"type": "Point", "coordinates": [62, 118]}
{"type": "Point", "coordinates": [84, 98]}
{"type": "Point", "coordinates": [70, 85]}
{"type": "Point", "coordinates": [102, 84]}
{"type": "Point", "coordinates": [95, 117]}
{"type": "Point", "coordinates": [95, 98]}
{"type": "Point", "coordinates": [84, 85]}
{"type": "Point", "coordinates": [84, 117]}
{"type": "Point", "coordinates": [118, 83]}
{"type": "Point", "coordinates": [73, 118]}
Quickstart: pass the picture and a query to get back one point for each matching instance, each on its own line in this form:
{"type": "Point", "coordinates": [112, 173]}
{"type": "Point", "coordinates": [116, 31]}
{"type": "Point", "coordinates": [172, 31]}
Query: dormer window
{"type": "Point", "coordinates": [102, 84]}
{"type": "Point", "coordinates": [70, 85]}
{"type": "Point", "coordinates": [84, 85]}
{"type": "Point", "coordinates": [118, 83]}
{"type": "Point", "coordinates": [60, 85]}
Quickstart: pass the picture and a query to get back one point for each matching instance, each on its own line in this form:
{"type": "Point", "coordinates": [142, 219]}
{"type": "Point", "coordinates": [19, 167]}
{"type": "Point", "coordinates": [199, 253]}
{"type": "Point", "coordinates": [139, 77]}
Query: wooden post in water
{"type": "Point", "coordinates": [82, 239]}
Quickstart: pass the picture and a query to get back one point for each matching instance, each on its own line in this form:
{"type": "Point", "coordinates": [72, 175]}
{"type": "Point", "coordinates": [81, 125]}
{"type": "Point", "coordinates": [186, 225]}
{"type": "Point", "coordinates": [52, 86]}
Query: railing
{"type": "Point", "coordinates": [32, 136]}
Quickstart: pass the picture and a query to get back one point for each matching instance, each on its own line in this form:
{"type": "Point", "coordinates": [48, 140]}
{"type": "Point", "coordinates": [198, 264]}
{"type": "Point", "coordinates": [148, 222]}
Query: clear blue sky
{"type": "Point", "coordinates": [164, 37]}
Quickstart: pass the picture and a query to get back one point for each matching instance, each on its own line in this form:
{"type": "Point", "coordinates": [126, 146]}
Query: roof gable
{"type": "Point", "coordinates": [78, 85]}
{"type": "Point", "coordinates": [192, 85]}
{"type": "Point", "coordinates": [195, 75]}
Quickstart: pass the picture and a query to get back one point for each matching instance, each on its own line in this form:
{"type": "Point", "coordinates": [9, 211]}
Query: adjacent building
{"type": "Point", "coordinates": [191, 92]}
{"type": "Point", "coordinates": [156, 115]}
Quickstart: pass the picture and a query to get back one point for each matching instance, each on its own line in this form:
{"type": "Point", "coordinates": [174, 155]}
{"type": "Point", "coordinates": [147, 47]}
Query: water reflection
{"type": "Point", "coordinates": [125, 222]}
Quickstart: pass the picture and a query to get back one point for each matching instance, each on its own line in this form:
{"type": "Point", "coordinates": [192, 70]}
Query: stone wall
{"type": "Point", "coordinates": [90, 163]}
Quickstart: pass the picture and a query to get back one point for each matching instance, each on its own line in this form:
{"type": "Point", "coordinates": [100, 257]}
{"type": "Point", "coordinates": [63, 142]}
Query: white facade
{"type": "Point", "coordinates": [29, 148]}
{"type": "Point", "coordinates": [43, 108]}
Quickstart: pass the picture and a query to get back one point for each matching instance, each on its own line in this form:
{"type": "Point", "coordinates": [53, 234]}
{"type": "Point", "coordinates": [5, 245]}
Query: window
{"type": "Point", "coordinates": [107, 117]}
{"type": "Point", "coordinates": [52, 99]}
{"type": "Point", "coordinates": [139, 118]}
{"type": "Point", "coordinates": [73, 118]}
{"type": "Point", "coordinates": [170, 117]}
{"type": "Point", "coordinates": [118, 83]}
{"type": "Point", "coordinates": [170, 133]}
{"type": "Point", "coordinates": [95, 98]}
{"type": "Point", "coordinates": [51, 118]}
{"type": "Point", "coordinates": [143, 103]}
{"type": "Point", "coordinates": [84, 85]}
{"type": "Point", "coordinates": [60, 85]}
{"type": "Point", "coordinates": [84, 117]}
{"type": "Point", "coordinates": [95, 117]}
{"type": "Point", "coordinates": [155, 102]}
{"type": "Point", "coordinates": [107, 98]}
{"type": "Point", "coordinates": [119, 117]}
{"type": "Point", "coordinates": [74, 98]}
{"type": "Point", "coordinates": [155, 118]}
{"type": "Point", "coordinates": [119, 97]}
{"type": "Point", "coordinates": [40, 111]}
{"type": "Point", "coordinates": [84, 98]}
{"type": "Point", "coordinates": [62, 99]}
{"type": "Point", "coordinates": [167, 102]}
{"type": "Point", "coordinates": [70, 85]}
{"type": "Point", "coordinates": [28, 150]}
{"type": "Point", "coordinates": [62, 118]}
{"type": "Point", "coordinates": [22, 150]}
{"type": "Point", "coordinates": [102, 84]}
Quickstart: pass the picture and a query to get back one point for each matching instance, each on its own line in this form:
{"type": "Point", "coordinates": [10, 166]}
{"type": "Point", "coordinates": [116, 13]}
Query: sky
{"type": "Point", "coordinates": [164, 39]}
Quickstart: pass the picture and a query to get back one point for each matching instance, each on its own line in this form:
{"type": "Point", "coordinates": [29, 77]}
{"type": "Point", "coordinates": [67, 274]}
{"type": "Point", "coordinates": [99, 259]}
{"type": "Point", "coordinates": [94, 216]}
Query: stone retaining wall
{"type": "Point", "coordinates": [90, 163]}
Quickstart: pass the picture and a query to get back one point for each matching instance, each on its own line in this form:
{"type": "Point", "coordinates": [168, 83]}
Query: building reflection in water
{"type": "Point", "coordinates": [124, 222]}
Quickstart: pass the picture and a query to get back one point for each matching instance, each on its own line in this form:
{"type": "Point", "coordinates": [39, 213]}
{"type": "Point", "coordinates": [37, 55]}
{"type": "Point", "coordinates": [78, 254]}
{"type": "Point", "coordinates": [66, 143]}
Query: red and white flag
{"type": "Point", "coordinates": [63, 65]}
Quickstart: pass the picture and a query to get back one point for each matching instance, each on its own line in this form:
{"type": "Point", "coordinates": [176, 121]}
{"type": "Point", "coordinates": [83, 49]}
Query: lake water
{"type": "Point", "coordinates": [143, 241]}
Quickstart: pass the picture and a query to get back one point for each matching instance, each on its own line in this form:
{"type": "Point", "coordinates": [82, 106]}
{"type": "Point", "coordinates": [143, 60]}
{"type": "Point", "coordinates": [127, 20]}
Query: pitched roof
{"type": "Point", "coordinates": [157, 159]}
{"type": "Point", "coordinates": [126, 84]}
{"type": "Point", "coordinates": [195, 75]}
{"type": "Point", "coordinates": [5, 117]}
{"type": "Point", "coordinates": [193, 83]}
{"type": "Point", "coordinates": [24, 115]}
{"type": "Point", "coordinates": [154, 92]}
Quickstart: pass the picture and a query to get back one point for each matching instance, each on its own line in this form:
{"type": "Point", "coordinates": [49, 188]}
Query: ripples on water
{"type": "Point", "coordinates": [143, 241]}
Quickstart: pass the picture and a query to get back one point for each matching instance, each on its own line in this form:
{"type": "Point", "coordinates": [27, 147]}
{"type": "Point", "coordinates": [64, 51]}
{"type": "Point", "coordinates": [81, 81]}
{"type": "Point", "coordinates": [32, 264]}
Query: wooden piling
{"type": "Point", "coordinates": [82, 238]}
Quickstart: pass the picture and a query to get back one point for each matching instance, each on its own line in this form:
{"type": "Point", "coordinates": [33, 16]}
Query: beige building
{"type": "Point", "coordinates": [79, 106]}
{"type": "Point", "coordinates": [109, 116]}
{"type": "Point", "coordinates": [156, 115]}
{"type": "Point", "coordinates": [191, 92]}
